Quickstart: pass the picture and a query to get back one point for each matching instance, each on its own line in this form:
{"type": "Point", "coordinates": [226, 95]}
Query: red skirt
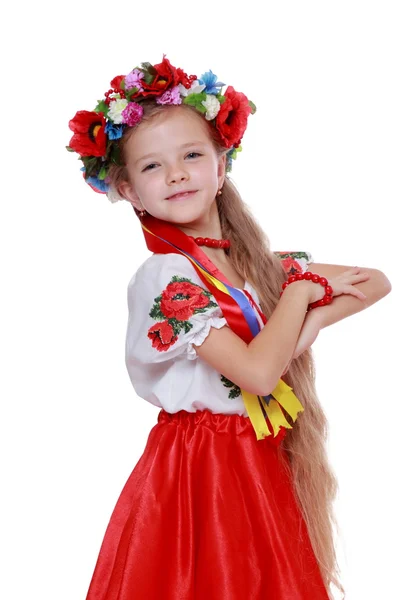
{"type": "Point", "coordinates": [208, 512]}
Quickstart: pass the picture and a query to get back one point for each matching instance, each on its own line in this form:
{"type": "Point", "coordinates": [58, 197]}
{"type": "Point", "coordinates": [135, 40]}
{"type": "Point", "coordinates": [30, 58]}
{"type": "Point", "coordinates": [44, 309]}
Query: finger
{"type": "Point", "coordinates": [358, 278]}
{"type": "Point", "coordinates": [358, 293]}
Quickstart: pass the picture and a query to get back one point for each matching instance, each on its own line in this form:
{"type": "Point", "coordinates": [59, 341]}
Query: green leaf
{"type": "Point", "coordinates": [129, 93]}
{"type": "Point", "coordinates": [148, 78]}
{"type": "Point", "coordinates": [70, 149]}
{"type": "Point", "coordinates": [221, 98]}
{"type": "Point", "coordinates": [193, 98]}
{"type": "Point", "coordinates": [146, 66]}
{"type": "Point", "coordinates": [103, 173]}
{"type": "Point", "coordinates": [149, 72]}
{"type": "Point", "coordinates": [155, 312]}
{"type": "Point", "coordinates": [91, 166]}
{"type": "Point", "coordinates": [101, 107]}
{"type": "Point", "coordinates": [253, 107]}
{"type": "Point", "coordinates": [196, 101]}
{"type": "Point", "coordinates": [116, 155]}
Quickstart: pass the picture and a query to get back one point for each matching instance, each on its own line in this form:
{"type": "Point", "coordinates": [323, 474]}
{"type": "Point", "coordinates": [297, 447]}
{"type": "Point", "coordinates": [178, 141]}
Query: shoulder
{"type": "Point", "coordinates": [161, 266]}
{"type": "Point", "coordinates": [169, 309]}
{"type": "Point", "coordinates": [294, 261]}
{"type": "Point", "coordinates": [167, 282]}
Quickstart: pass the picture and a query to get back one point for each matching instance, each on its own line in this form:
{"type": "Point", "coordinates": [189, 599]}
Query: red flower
{"type": "Point", "coordinates": [162, 336]}
{"type": "Point", "coordinates": [184, 79]}
{"type": "Point", "coordinates": [116, 82]}
{"type": "Point", "coordinates": [231, 120]}
{"type": "Point", "coordinates": [89, 137]}
{"type": "Point", "coordinates": [167, 76]}
{"type": "Point", "coordinates": [182, 308]}
{"type": "Point", "coordinates": [291, 266]}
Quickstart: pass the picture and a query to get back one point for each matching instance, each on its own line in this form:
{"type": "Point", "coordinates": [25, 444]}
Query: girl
{"type": "Point", "coordinates": [232, 497]}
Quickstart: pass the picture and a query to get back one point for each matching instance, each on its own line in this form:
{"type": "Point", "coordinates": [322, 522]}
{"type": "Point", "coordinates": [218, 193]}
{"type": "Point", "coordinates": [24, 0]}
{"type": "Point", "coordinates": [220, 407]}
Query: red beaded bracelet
{"type": "Point", "coordinates": [327, 299]}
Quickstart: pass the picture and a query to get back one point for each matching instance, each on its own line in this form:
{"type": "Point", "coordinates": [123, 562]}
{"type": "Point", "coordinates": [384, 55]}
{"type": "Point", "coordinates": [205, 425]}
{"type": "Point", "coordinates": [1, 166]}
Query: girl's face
{"type": "Point", "coordinates": [174, 154]}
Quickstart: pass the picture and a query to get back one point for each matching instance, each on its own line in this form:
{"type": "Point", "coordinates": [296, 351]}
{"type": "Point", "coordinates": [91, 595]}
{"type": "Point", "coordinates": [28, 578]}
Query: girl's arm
{"type": "Point", "coordinates": [375, 288]}
{"type": "Point", "coordinates": [257, 366]}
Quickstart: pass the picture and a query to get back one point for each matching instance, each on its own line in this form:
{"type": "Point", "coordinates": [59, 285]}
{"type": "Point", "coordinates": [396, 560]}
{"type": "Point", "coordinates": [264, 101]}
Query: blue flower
{"type": "Point", "coordinates": [95, 183]}
{"type": "Point", "coordinates": [99, 185]}
{"type": "Point", "coordinates": [113, 131]}
{"type": "Point", "coordinates": [210, 81]}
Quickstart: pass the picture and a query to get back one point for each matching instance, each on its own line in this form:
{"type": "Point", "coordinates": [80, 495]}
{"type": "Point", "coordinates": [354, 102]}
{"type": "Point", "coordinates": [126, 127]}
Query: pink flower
{"type": "Point", "coordinates": [132, 114]}
{"type": "Point", "coordinates": [133, 80]}
{"type": "Point", "coordinates": [171, 96]}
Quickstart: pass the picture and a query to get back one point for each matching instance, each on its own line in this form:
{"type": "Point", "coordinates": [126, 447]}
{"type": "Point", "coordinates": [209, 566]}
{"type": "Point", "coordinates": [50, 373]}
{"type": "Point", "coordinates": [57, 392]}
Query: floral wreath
{"type": "Point", "coordinates": [96, 133]}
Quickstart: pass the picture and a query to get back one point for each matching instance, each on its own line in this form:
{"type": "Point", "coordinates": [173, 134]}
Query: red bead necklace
{"type": "Point", "coordinates": [211, 243]}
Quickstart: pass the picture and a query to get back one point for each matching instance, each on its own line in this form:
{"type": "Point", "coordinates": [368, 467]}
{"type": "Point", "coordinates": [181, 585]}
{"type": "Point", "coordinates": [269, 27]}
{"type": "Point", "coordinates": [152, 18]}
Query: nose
{"type": "Point", "coordinates": [176, 174]}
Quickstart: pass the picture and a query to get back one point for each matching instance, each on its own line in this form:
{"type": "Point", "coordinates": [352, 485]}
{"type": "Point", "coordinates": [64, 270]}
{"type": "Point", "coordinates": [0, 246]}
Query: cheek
{"type": "Point", "coordinates": [148, 185]}
{"type": "Point", "coordinates": [209, 171]}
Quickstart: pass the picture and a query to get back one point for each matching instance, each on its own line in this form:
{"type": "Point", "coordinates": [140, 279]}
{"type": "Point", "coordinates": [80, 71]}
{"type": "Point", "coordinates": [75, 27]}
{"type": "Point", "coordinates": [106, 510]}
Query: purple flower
{"type": "Point", "coordinates": [171, 96]}
{"type": "Point", "coordinates": [132, 114]}
{"type": "Point", "coordinates": [133, 80]}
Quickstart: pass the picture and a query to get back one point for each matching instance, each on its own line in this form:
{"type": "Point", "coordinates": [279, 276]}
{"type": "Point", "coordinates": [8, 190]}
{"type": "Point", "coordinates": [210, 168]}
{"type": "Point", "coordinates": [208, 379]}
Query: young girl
{"type": "Point", "coordinates": [232, 497]}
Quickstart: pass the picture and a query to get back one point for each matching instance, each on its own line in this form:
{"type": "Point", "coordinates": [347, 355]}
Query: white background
{"type": "Point", "coordinates": [320, 170]}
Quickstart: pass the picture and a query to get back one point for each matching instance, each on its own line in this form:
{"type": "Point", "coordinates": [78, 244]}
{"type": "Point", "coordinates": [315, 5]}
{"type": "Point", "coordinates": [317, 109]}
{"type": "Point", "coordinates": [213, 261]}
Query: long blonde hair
{"type": "Point", "coordinates": [314, 483]}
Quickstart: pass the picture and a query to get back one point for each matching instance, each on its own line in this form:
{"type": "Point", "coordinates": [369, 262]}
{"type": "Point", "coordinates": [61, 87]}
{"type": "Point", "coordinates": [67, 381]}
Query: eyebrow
{"type": "Point", "coordinates": [187, 145]}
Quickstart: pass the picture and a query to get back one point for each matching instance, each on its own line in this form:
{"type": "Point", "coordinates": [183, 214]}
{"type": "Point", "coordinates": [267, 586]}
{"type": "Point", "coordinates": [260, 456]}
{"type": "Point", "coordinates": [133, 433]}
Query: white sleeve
{"type": "Point", "coordinates": [170, 309]}
{"type": "Point", "coordinates": [295, 262]}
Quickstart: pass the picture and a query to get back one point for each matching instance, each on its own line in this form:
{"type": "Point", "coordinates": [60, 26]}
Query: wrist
{"type": "Point", "coordinates": [301, 290]}
{"type": "Point", "coordinates": [309, 277]}
{"type": "Point", "coordinates": [317, 316]}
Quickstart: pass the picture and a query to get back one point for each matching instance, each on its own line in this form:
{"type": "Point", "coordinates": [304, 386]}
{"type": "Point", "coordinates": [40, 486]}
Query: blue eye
{"type": "Point", "coordinates": [152, 165]}
{"type": "Point", "coordinates": [148, 167]}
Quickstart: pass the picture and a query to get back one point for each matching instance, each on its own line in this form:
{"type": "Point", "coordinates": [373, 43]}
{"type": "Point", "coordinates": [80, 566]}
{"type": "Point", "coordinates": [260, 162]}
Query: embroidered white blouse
{"type": "Point", "coordinates": [170, 309]}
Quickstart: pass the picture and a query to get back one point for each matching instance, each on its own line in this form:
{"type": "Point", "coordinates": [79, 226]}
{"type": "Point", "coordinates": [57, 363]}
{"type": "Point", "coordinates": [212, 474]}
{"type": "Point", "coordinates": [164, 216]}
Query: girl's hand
{"type": "Point", "coordinates": [341, 284]}
{"type": "Point", "coordinates": [308, 334]}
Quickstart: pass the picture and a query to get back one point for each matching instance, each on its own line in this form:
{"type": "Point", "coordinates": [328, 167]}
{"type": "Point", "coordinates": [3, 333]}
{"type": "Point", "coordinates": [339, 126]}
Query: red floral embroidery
{"type": "Point", "coordinates": [179, 301]}
{"type": "Point", "coordinates": [182, 308]}
{"type": "Point", "coordinates": [291, 266]}
{"type": "Point", "coordinates": [162, 336]}
{"type": "Point", "coordinates": [294, 262]}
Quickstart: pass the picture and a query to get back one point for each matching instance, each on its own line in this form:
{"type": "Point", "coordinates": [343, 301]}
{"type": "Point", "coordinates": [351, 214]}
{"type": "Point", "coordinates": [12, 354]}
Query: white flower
{"type": "Point", "coordinates": [115, 109]}
{"type": "Point", "coordinates": [195, 88]}
{"type": "Point", "coordinates": [211, 103]}
{"type": "Point", "coordinates": [113, 195]}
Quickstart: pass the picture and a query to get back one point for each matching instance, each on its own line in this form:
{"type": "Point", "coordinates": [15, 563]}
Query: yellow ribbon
{"type": "Point", "coordinates": [284, 397]}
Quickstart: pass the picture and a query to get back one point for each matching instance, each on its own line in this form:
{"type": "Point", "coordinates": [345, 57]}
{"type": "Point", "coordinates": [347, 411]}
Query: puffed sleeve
{"type": "Point", "coordinates": [170, 309]}
{"type": "Point", "coordinates": [295, 262]}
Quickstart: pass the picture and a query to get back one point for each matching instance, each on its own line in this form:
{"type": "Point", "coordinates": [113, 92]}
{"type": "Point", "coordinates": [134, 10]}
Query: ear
{"type": "Point", "coordinates": [221, 170]}
{"type": "Point", "coordinates": [126, 190]}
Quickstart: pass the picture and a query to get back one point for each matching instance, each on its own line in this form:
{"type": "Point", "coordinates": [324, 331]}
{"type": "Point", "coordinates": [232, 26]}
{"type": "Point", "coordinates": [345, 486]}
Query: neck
{"type": "Point", "coordinates": [206, 226]}
{"type": "Point", "coordinates": [216, 255]}
{"type": "Point", "coordinates": [211, 231]}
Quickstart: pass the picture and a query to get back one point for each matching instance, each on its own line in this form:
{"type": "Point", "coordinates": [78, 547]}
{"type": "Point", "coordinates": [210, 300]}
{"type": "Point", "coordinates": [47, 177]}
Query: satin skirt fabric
{"type": "Point", "coordinates": [207, 513]}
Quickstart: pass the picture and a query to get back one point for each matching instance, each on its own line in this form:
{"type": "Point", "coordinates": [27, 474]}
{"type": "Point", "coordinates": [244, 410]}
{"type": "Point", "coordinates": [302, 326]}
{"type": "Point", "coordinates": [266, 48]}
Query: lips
{"type": "Point", "coordinates": [182, 195]}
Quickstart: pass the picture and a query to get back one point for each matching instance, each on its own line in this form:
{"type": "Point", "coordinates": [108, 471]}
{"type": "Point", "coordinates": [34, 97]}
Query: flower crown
{"type": "Point", "coordinates": [97, 133]}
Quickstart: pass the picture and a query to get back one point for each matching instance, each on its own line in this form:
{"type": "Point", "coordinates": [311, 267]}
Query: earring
{"type": "Point", "coordinates": [219, 193]}
{"type": "Point", "coordinates": [142, 213]}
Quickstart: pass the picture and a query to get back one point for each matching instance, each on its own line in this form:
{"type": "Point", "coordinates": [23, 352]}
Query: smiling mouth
{"type": "Point", "coordinates": [182, 195]}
